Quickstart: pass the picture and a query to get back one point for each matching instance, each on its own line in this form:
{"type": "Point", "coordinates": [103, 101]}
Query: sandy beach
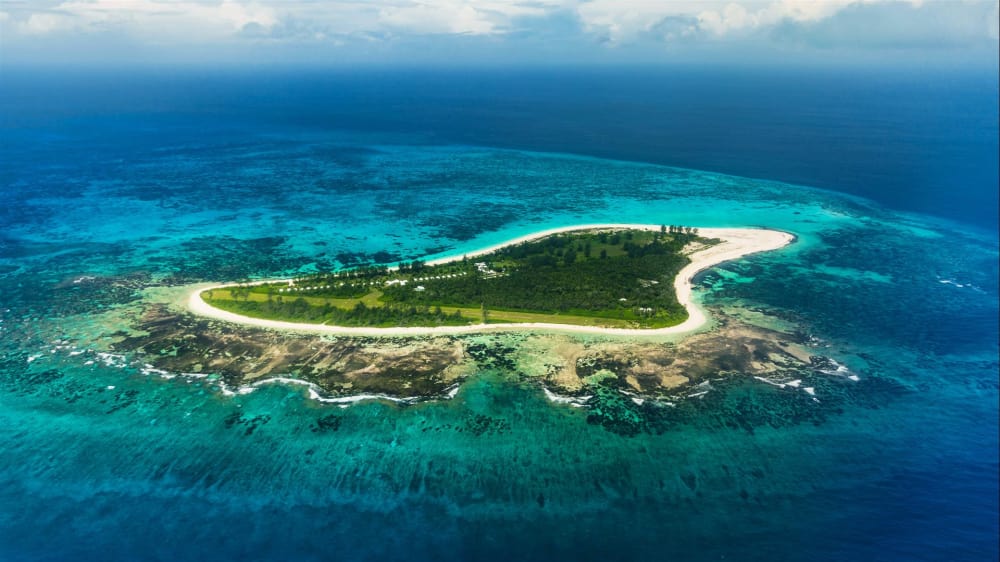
{"type": "Point", "coordinates": [736, 243]}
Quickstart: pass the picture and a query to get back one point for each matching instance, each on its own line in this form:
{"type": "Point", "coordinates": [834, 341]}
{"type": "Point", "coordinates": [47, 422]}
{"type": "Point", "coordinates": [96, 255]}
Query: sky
{"type": "Point", "coordinates": [496, 32]}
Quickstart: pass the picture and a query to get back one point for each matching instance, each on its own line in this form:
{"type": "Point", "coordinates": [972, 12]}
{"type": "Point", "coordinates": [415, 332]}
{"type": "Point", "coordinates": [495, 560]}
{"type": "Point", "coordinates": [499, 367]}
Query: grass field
{"type": "Point", "coordinates": [222, 299]}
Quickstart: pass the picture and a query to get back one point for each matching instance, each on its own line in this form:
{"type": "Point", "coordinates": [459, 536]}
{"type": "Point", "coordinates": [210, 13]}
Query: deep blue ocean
{"type": "Point", "coordinates": [114, 181]}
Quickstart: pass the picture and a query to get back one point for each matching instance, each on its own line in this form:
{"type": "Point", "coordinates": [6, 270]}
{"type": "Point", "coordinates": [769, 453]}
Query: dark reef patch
{"type": "Point", "coordinates": [480, 424]}
{"type": "Point", "coordinates": [122, 400]}
{"type": "Point", "coordinates": [355, 259]}
{"type": "Point", "coordinates": [225, 258]}
{"type": "Point", "coordinates": [247, 422]}
{"type": "Point", "coordinates": [738, 403]}
{"type": "Point", "coordinates": [327, 423]}
{"type": "Point", "coordinates": [492, 355]}
{"type": "Point", "coordinates": [745, 404]}
{"type": "Point", "coordinates": [79, 293]}
{"type": "Point", "coordinates": [615, 411]}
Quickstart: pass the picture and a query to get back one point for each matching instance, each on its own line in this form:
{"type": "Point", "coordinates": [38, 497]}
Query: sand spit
{"type": "Point", "coordinates": [736, 243]}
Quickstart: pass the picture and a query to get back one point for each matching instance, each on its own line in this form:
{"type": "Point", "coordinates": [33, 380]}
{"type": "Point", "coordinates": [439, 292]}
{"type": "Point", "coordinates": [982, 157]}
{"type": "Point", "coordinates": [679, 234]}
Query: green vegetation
{"type": "Point", "coordinates": [619, 278]}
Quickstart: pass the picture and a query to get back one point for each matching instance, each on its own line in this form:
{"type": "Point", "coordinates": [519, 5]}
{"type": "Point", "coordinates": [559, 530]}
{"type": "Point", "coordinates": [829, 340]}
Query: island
{"type": "Point", "coordinates": [622, 360]}
{"type": "Point", "coordinates": [624, 279]}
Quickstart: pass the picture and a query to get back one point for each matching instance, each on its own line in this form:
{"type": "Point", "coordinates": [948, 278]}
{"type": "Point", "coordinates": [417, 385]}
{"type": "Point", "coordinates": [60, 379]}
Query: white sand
{"type": "Point", "coordinates": [736, 243]}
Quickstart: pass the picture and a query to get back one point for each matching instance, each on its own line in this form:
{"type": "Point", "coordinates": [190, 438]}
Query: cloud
{"type": "Point", "coordinates": [626, 21]}
{"type": "Point", "coordinates": [229, 17]}
{"type": "Point", "coordinates": [896, 25]}
{"type": "Point", "coordinates": [151, 19]}
{"type": "Point", "coordinates": [43, 23]}
{"type": "Point", "coordinates": [584, 29]}
{"type": "Point", "coordinates": [462, 16]}
{"type": "Point", "coordinates": [439, 18]}
{"type": "Point", "coordinates": [622, 22]}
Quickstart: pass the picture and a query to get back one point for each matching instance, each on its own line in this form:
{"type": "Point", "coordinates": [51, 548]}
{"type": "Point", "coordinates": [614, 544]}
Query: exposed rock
{"type": "Point", "coordinates": [182, 343]}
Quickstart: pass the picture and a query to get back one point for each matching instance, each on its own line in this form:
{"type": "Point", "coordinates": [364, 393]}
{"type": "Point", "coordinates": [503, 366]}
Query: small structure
{"type": "Point", "coordinates": [484, 270]}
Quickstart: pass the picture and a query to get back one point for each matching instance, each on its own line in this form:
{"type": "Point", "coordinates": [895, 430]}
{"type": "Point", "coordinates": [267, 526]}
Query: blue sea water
{"type": "Point", "coordinates": [136, 177]}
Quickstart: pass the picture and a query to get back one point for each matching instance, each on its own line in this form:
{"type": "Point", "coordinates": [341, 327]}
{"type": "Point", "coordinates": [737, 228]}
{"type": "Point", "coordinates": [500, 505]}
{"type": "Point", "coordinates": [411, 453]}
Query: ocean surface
{"type": "Point", "coordinates": [114, 181]}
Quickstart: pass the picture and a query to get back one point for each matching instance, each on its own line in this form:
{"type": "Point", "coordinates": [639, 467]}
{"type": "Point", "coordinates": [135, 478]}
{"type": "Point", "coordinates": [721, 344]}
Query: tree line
{"type": "Point", "coordinates": [360, 315]}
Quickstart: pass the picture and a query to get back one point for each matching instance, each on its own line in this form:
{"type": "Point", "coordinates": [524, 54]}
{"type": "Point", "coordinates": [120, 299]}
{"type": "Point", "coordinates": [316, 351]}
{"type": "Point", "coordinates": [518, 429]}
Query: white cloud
{"type": "Point", "coordinates": [463, 17]}
{"type": "Point", "coordinates": [210, 20]}
{"type": "Point", "coordinates": [152, 19]}
{"type": "Point", "coordinates": [43, 23]}
{"type": "Point", "coordinates": [440, 17]}
{"type": "Point", "coordinates": [620, 21]}
{"type": "Point", "coordinates": [643, 23]}
{"type": "Point", "coordinates": [896, 25]}
{"type": "Point", "coordinates": [730, 18]}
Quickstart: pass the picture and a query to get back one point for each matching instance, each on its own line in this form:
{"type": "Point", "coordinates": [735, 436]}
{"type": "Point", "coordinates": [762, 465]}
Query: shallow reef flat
{"type": "Point", "coordinates": [626, 383]}
{"type": "Point", "coordinates": [749, 371]}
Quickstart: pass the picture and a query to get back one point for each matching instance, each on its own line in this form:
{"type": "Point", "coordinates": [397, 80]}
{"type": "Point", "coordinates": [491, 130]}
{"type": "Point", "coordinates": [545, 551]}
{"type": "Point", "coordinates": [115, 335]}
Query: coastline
{"type": "Point", "coordinates": [736, 243]}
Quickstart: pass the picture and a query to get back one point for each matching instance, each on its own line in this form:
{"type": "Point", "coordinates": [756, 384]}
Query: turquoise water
{"type": "Point", "coordinates": [104, 462]}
